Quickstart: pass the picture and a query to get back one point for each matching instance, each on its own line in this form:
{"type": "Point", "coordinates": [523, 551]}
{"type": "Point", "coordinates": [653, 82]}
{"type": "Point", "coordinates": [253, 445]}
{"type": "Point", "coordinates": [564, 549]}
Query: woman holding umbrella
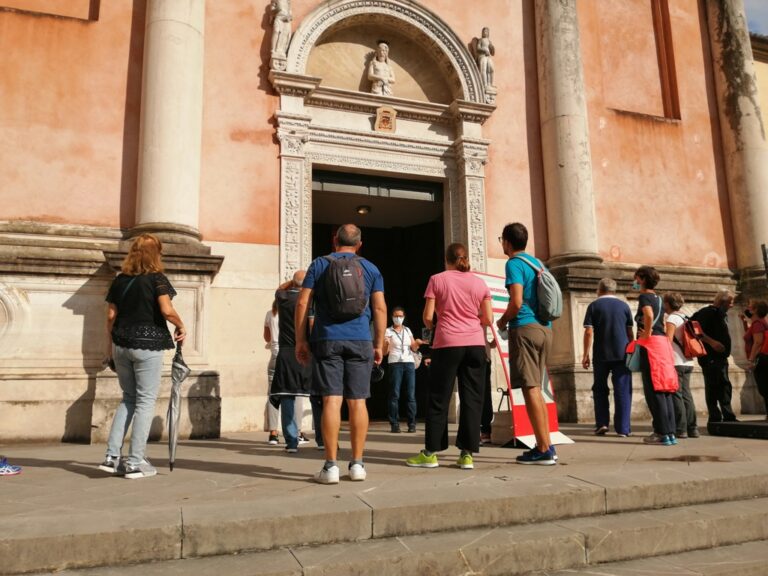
{"type": "Point", "coordinates": [139, 309]}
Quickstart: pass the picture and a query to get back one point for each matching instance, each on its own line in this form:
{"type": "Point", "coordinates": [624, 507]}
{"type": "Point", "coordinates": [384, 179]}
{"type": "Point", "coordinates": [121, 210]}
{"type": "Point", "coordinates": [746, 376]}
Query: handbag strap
{"type": "Point", "coordinates": [661, 309]}
{"type": "Point", "coordinates": [128, 287]}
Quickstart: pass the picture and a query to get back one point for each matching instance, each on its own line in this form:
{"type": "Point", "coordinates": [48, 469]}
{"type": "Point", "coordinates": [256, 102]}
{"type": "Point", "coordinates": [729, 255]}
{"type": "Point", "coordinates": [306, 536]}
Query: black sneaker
{"type": "Point", "coordinates": [395, 429]}
{"type": "Point", "coordinates": [412, 428]}
{"type": "Point", "coordinates": [110, 464]}
{"type": "Point", "coordinates": [273, 441]}
{"type": "Point", "coordinates": [303, 439]}
{"type": "Point", "coordinates": [693, 433]}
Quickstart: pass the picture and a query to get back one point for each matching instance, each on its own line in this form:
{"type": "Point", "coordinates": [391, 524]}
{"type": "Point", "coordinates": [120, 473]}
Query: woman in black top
{"type": "Point", "coordinates": [139, 309]}
{"type": "Point", "coordinates": [650, 323]}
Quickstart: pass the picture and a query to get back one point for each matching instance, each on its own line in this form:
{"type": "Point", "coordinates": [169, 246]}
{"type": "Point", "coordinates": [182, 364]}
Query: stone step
{"type": "Point", "coordinates": [589, 546]}
{"type": "Point", "coordinates": [749, 559]}
{"type": "Point", "coordinates": [47, 540]}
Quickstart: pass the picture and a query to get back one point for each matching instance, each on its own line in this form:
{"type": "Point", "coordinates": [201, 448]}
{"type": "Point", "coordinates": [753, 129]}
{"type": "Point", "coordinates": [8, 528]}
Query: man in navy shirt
{"type": "Point", "coordinates": [343, 351]}
{"type": "Point", "coordinates": [608, 323]}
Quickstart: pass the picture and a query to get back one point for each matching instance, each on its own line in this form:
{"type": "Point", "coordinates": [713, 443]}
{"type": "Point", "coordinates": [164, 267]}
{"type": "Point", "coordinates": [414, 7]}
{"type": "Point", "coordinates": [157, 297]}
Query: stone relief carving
{"type": "Point", "coordinates": [476, 223]}
{"type": "Point", "coordinates": [281, 33]}
{"type": "Point", "coordinates": [380, 73]}
{"type": "Point", "coordinates": [291, 214]}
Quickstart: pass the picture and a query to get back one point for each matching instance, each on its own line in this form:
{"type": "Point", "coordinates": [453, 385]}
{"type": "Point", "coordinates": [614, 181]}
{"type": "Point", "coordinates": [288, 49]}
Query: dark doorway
{"type": "Point", "coordinates": [402, 226]}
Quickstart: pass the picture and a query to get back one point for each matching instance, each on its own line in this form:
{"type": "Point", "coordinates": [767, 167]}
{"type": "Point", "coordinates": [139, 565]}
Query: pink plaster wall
{"type": "Point", "coordinates": [69, 110]}
{"type": "Point", "coordinates": [660, 189]}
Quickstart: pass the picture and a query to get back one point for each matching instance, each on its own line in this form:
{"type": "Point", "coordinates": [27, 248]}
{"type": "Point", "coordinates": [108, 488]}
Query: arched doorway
{"type": "Point", "coordinates": [326, 121]}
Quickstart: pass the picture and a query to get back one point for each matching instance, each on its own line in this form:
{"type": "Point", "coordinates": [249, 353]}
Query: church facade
{"type": "Point", "coordinates": [243, 132]}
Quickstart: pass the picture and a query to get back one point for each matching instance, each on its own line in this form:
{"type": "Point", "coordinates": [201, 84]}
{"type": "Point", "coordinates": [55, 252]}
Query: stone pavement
{"type": "Point", "coordinates": [238, 494]}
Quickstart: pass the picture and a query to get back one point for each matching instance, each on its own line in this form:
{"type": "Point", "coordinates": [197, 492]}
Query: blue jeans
{"type": "Point", "coordinates": [399, 373]}
{"type": "Point", "coordinates": [621, 378]}
{"type": "Point", "coordinates": [138, 372]}
{"type": "Point", "coordinates": [290, 430]}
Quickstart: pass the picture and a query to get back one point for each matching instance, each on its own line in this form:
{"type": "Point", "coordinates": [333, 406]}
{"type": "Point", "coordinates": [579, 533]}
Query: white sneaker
{"type": "Point", "coordinates": [329, 476]}
{"type": "Point", "coordinates": [357, 472]}
{"type": "Point", "coordinates": [134, 471]}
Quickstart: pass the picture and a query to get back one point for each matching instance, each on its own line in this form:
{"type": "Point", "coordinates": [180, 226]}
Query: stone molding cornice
{"type": "Point", "coordinates": [759, 47]}
{"type": "Point", "coordinates": [695, 284]}
{"type": "Point", "coordinates": [473, 112]}
{"type": "Point", "coordinates": [365, 103]}
{"type": "Point", "coordinates": [398, 13]}
{"type": "Point", "coordinates": [290, 84]}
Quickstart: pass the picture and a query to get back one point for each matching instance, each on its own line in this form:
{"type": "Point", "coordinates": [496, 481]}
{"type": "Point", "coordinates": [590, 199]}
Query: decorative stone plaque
{"type": "Point", "coordinates": [385, 119]}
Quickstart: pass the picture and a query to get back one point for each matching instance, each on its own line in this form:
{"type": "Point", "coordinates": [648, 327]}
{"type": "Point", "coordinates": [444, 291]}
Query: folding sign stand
{"type": "Point", "coordinates": [522, 430]}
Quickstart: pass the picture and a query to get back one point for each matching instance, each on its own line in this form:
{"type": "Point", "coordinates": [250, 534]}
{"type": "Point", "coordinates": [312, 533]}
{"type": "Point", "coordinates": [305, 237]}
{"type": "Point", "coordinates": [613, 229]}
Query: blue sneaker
{"type": "Point", "coordinates": [669, 440]}
{"type": "Point", "coordinates": [533, 456]}
{"type": "Point", "coordinates": [8, 469]}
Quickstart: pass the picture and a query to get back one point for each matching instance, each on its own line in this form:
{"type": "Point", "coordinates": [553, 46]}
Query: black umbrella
{"type": "Point", "coordinates": [179, 372]}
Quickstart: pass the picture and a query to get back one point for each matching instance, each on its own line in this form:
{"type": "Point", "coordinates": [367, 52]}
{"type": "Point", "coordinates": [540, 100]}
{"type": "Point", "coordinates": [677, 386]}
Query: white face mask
{"type": "Point", "coordinates": [398, 320]}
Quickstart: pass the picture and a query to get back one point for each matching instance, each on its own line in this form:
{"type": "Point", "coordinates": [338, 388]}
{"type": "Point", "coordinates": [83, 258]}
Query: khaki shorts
{"type": "Point", "coordinates": [528, 350]}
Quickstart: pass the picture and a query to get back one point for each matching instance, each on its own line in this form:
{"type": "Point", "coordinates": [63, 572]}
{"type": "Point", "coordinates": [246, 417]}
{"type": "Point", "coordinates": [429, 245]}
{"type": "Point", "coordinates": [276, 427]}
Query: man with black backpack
{"type": "Point", "coordinates": [348, 292]}
{"type": "Point", "coordinates": [534, 301]}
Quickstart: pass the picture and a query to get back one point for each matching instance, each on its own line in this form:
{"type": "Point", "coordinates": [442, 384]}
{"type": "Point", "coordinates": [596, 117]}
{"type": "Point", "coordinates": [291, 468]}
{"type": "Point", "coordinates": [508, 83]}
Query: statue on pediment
{"type": "Point", "coordinates": [483, 50]}
{"type": "Point", "coordinates": [380, 73]}
{"type": "Point", "coordinates": [281, 32]}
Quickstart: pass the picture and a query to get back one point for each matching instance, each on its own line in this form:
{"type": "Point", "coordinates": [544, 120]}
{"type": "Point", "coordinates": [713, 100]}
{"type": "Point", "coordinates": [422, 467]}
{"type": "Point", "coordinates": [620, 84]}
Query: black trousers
{"type": "Point", "coordinates": [761, 378]}
{"type": "Point", "coordinates": [685, 409]}
{"type": "Point", "coordinates": [718, 391]}
{"type": "Point", "coordinates": [468, 363]}
{"type": "Point", "coordinates": [486, 418]}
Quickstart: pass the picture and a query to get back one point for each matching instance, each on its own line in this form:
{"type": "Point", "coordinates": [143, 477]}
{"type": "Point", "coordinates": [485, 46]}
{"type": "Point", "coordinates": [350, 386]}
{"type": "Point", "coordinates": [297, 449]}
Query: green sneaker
{"type": "Point", "coordinates": [465, 462]}
{"type": "Point", "coordinates": [421, 460]}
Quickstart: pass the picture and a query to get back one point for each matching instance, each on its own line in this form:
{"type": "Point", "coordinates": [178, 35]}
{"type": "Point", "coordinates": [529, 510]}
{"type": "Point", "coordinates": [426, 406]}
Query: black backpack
{"type": "Point", "coordinates": [344, 284]}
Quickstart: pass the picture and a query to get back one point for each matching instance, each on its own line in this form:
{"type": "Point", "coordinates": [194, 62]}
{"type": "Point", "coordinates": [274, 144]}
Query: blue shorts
{"type": "Point", "coordinates": [342, 368]}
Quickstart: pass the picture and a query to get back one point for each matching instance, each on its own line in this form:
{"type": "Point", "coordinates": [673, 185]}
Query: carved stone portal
{"type": "Point", "coordinates": [319, 125]}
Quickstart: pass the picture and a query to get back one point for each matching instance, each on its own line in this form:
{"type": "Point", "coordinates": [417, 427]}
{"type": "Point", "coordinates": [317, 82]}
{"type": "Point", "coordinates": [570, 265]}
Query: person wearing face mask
{"type": "Point", "coordinates": [714, 366]}
{"type": "Point", "coordinates": [755, 345]}
{"type": "Point", "coordinates": [657, 364]}
{"type": "Point", "coordinates": [399, 346]}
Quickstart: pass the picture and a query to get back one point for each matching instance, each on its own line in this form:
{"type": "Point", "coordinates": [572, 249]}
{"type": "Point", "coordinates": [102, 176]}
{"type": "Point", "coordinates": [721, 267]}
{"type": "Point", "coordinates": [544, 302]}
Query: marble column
{"type": "Point", "coordinates": [567, 161]}
{"type": "Point", "coordinates": [171, 121]}
{"type": "Point", "coordinates": [743, 131]}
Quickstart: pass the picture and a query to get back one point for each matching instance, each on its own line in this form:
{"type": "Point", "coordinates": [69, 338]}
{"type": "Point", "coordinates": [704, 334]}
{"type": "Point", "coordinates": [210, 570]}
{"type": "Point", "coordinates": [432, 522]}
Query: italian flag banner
{"type": "Point", "coordinates": [521, 425]}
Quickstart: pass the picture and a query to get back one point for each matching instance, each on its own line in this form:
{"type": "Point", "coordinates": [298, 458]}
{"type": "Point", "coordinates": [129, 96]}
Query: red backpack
{"type": "Point", "coordinates": [692, 346]}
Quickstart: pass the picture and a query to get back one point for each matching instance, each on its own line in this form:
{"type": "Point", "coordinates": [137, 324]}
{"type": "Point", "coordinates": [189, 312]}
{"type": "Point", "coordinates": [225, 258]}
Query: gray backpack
{"type": "Point", "coordinates": [548, 292]}
{"type": "Point", "coordinates": [344, 285]}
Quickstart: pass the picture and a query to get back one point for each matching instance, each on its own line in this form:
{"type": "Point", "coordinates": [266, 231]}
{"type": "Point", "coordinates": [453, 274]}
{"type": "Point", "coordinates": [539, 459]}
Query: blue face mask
{"type": "Point", "coordinates": [636, 285]}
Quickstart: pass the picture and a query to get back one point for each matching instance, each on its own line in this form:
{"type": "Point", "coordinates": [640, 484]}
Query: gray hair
{"type": "Point", "coordinates": [348, 235]}
{"type": "Point", "coordinates": [722, 296]}
{"type": "Point", "coordinates": [607, 286]}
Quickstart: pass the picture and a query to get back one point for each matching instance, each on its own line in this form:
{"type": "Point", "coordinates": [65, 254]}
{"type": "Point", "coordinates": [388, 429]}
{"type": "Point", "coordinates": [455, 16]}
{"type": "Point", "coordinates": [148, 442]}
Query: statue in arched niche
{"type": "Point", "coordinates": [484, 51]}
{"type": "Point", "coordinates": [380, 73]}
{"type": "Point", "coordinates": [281, 29]}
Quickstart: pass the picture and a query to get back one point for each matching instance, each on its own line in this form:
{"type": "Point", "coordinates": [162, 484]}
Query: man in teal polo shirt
{"type": "Point", "coordinates": [529, 339]}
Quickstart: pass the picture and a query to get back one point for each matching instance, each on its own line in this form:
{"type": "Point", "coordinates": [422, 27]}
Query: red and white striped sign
{"type": "Point", "coordinates": [521, 425]}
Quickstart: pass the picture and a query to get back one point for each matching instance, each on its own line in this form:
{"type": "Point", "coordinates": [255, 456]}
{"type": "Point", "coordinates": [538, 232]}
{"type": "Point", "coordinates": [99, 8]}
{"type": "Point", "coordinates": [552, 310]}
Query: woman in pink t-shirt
{"type": "Point", "coordinates": [463, 305]}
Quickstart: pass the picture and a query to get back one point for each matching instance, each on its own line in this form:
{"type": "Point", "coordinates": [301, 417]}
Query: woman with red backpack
{"type": "Point", "coordinates": [756, 344]}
